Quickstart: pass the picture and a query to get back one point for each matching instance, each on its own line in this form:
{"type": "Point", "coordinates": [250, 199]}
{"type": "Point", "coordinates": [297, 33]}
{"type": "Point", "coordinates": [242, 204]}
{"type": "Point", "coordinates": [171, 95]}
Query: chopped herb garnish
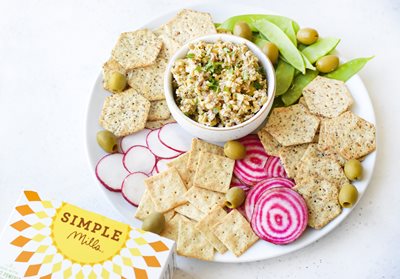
{"type": "Point", "coordinates": [190, 55]}
{"type": "Point", "coordinates": [257, 85]}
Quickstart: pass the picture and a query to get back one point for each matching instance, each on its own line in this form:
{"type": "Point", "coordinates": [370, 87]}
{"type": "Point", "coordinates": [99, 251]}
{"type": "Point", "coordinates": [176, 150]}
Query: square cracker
{"type": "Point", "coordinates": [204, 199]}
{"type": "Point", "coordinates": [291, 156]}
{"type": "Point", "coordinates": [197, 146]}
{"type": "Point", "coordinates": [169, 44]}
{"type": "Point", "coordinates": [189, 211]}
{"type": "Point", "coordinates": [327, 97]}
{"type": "Point", "coordinates": [235, 233]}
{"type": "Point", "coordinates": [214, 172]}
{"type": "Point", "coordinates": [192, 243]}
{"type": "Point", "coordinates": [158, 111]}
{"type": "Point", "coordinates": [159, 123]}
{"type": "Point", "coordinates": [149, 81]}
{"type": "Point", "coordinates": [188, 24]}
{"type": "Point", "coordinates": [171, 229]}
{"type": "Point", "coordinates": [321, 198]}
{"type": "Point", "coordinates": [124, 113]}
{"type": "Point", "coordinates": [109, 68]}
{"type": "Point", "coordinates": [180, 164]}
{"type": "Point", "coordinates": [206, 224]}
{"type": "Point", "coordinates": [147, 206]}
{"type": "Point", "coordinates": [271, 145]}
{"type": "Point", "coordinates": [166, 189]}
{"type": "Point", "coordinates": [292, 125]}
{"type": "Point", "coordinates": [137, 49]}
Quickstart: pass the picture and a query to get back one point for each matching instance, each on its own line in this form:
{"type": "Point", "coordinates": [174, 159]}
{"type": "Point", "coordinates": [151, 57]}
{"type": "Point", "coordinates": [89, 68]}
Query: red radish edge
{"type": "Point", "coordinates": [137, 139]}
{"type": "Point", "coordinates": [170, 146]}
{"type": "Point", "coordinates": [132, 170]}
{"type": "Point", "coordinates": [101, 180]}
{"type": "Point", "coordinates": [124, 185]}
{"type": "Point", "coordinates": [172, 153]}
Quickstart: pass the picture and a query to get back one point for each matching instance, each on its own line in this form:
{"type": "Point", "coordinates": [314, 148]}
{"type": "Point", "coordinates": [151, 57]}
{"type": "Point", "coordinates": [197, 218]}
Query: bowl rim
{"type": "Point", "coordinates": [263, 59]}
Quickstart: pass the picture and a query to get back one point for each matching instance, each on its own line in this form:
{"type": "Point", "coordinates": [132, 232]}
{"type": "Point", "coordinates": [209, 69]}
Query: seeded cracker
{"type": "Point", "coordinates": [203, 199]}
{"type": "Point", "coordinates": [235, 233]}
{"type": "Point", "coordinates": [159, 123]}
{"type": "Point", "coordinates": [314, 151]}
{"type": "Point", "coordinates": [166, 190]}
{"type": "Point", "coordinates": [124, 113]}
{"type": "Point", "coordinates": [205, 225]}
{"type": "Point", "coordinates": [214, 172]}
{"type": "Point", "coordinates": [327, 97]}
{"type": "Point", "coordinates": [290, 157]}
{"type": "Point", "coordinates": [147, 206]}
{"type": "Point", "coordinates": [169, 44]}
{"type": "Point", "coordinates": [292, 125]}
{"type": "Point", "coordinates": [321, 197]}
{"type": "Point", "coordinates": [171, 229]}
{"type": "Point", "coordinates": [109, 68]}
{"type": "Point", "coordinates": [180, 164]}
{"type": "Point", "coordinates": [198, 146]}
{"type": "Point", "coordinates": [189, 211]}
{"type": "Point", "coordinates": [137, 49]}
{"type": "Point", "coordinates": [158, 111]}
{"type": "Point", "coordinates": [188, 25]}
{"type": "Point", "coordinates": [192, 243]}
{"type": "Point", "coordinates": [271, 145]}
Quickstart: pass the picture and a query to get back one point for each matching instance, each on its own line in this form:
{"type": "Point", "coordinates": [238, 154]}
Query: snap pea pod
{"type": "Point", "coordinates": [284, 77]}
{"type": "Point", "coordinates": [320, 48]}
{"type": "Point", "coordinates": [275, 35]}
{"type": "Point", "coordinates": [277, 103]}
{"type": "Point", "coordinates": [217, 24]}
{"type": "Point", "coordinates": [294, 92]}
{"type": "Point", "coordinates": [349, 69]}
{"type": "Point", "coordinates": [307, 63]}
{"type": "Point", "coordinates": [282, 22]}
{"type": "Point", "coordinates": [259, 41]}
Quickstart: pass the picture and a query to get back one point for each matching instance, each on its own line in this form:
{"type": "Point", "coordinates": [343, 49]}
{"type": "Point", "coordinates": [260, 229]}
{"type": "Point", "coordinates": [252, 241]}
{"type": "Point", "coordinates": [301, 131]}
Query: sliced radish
{"type": "Point", "coordinates": [236, 182]}
{"type": "Point", "coordinates": [174, 137]}
{"type": "Point", "coordinates": [138, 138]}
{"type": "Point", "coordinates": [274, 167]}
{"type": "Point", "coordinates": [255, 192]}
{"type": "Point", "coordinates": [159, 149]}
{"type": "Point", "coordinates": [251, 169]}
{"type": "Point", "coordinates": [110, 171]}
{"type": "Point", "coordinates": [133, 187]}
{"type": "Point", "coordinates": [138, 158]}
{"type": "Point", "coordinates": [280, 216]}
{"type": "Point", "coordinates": [161, 165]}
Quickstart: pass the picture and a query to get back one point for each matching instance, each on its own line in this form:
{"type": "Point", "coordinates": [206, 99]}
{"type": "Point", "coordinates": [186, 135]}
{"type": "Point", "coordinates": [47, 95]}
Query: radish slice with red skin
{"type": "Point", "coordinates": [139, 158]}
{"type": "Point", "coordinates": [161, 165]}
{"type": "Point", "coordinates": [280, 216]}
{"type": "Point", "coordinates": [138, 138]}
{"type": "Point", "coordinates": [133, 187]}
{"type": "Point", "coordinates": [251, 169]}
{"type": "Point", "coordinates": [110, 171]}
{"type": "Point", "coordinates": [159, 149]}
{"type": "Point", "coordinates": [255, 192]}
{"type": "Point", "coordinates": [174, 137]}
{"type": "Point", "coordinates": [274, 167]}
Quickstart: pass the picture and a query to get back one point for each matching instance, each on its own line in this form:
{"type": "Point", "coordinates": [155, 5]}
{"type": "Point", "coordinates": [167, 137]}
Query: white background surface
{"type": "Point", "coordinates": [51, 53]}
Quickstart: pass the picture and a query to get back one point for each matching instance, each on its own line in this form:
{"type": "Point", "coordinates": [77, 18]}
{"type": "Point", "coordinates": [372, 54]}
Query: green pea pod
{"type": "Point", "coordinates": [349, 69]}
{"type": "Point", "coordinates": [277, 103]}
{"type": "Point", "coordinates": [217, 24]}
{"type": "Point", "coordinates": [307, 63]}
{"type": "Point", "coordinates": [320, 48]}
{"type": "Point", "coordinates": [295, 92]}
{"type": "Point", "coordinates": [259, 41]}
{"type": "Point", "coordinates": [284, 77]}
{"type": "Point", "coordinates": [285, 46]}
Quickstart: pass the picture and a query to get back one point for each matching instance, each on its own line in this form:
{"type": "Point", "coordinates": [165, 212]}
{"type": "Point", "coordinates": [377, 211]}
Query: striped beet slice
{"type": "Point", "coordinates": [274, 167]}
{"type": "Point", "coordinates": [280, 216]}
{"type": "Point", "coordinates": [255, 192]}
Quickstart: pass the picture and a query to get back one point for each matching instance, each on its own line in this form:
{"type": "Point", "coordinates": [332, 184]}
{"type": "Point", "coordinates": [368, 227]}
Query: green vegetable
{"type": "Point", "coordinates": [190, 55]}
{"type": "Point", "coordinates": [234, 197]}
{"type": "Point", "coordinates": [294, 92]}
{"type": "Point", "coordinates": [284, 77]}
{"type": "Point", "coordinates": [277, 103]}
{"type": "Point", "coordinates": [260, 41]}
{"type": "Point", "coordinates": [217, 25]}
{"type": "Point", "coordinates": [288, 50]}
{"type": "Point", "coordinates": [349, 69]}
{"type": "Point", "coordinates": [320, 48]}
{"type": "Point", "coordinates": [307, 63]}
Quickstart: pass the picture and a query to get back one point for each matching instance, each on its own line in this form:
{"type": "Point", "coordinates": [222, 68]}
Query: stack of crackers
{"type": "Point", "coordinates": [314, 139]}
{"type": "Point", "coordinates": [142, 56]}
{"type": "Point", "coordinates": [191, 194]}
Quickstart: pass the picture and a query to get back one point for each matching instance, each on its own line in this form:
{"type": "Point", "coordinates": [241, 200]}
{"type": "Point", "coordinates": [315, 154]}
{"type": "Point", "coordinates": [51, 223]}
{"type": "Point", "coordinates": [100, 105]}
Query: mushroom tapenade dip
{"type": "Point", "coordinates": [219, 84]}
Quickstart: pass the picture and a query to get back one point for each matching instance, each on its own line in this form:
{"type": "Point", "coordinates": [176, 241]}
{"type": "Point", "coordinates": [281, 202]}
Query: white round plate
{"type": "Point", "coordinates": [261, 250]}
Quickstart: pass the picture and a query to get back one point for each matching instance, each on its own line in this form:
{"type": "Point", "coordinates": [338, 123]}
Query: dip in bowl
{"type": "Point", "coordinates": [219, 87]}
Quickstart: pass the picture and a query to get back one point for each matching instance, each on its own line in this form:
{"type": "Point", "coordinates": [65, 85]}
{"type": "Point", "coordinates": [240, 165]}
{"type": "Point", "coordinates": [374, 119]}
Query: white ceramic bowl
{"type": "Point", "coordinates": [220, 134]}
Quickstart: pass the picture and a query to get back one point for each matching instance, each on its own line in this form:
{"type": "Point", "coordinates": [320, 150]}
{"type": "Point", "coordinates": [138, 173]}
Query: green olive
{"type": "Point", "coordinates": [155, 223]}
{"type": "Point", "coordinates": [353, 169]}
{"type": "Point", "coordinates": [107, 141]}
{"type": "Point", "coordinates": [242, 29]}
{"type": "Point", "coordinates": [348, 195]}
{"type": "Point", "coordinates": [327, 63]}
{"type": "Point", "coordinates": [117, 82]}
{"type": "Point", "coordinates": [234, 197]}
{"type": "Point", "coordinates": [307, 36]}
{"type": "Point", "coordinates": [271, 51]}
{"type": "Point", "coordinates": [234, 150]}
